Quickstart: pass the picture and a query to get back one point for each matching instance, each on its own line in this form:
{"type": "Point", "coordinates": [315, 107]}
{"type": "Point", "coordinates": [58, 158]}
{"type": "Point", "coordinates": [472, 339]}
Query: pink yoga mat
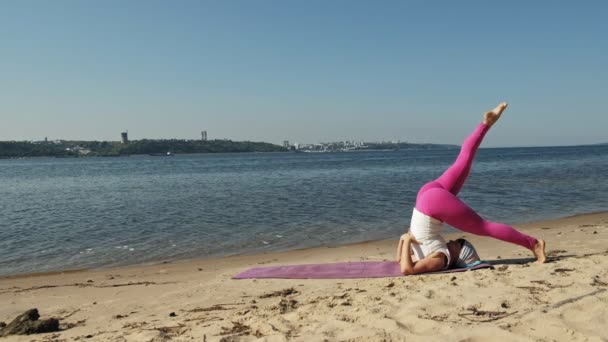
{"type": "Point", "coordinates": [340, 270]}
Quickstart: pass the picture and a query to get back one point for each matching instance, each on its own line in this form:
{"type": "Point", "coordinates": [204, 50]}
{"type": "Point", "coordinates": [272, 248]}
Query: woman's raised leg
{"type": "Point", "coordinates": [454, 177]}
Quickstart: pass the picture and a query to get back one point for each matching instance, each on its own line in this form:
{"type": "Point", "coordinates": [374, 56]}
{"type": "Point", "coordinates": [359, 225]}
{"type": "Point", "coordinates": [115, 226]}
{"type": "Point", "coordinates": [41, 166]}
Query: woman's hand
{"type": "Point", "coordinates": [404, 241]}
{"type": "Point", "coordinates": [399, 248]}
{"type": "Point", "coordinates": [409, 238]}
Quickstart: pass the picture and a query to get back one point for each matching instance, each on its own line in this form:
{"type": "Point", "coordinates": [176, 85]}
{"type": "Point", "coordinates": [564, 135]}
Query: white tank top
{"type": "Point", "coordinates": [427, 231]}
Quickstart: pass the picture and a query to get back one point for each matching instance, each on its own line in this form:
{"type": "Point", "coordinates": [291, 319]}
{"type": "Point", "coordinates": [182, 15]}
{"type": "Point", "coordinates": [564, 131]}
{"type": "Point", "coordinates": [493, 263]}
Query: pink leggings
{"type": "Point", "coordinates": [438, 200]}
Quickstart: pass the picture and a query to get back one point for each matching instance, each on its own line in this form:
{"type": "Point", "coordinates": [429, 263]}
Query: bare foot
{"type": "Point", "coordinates": [490, 118]}
{"type": "Point", "coordinates": [539, 251]}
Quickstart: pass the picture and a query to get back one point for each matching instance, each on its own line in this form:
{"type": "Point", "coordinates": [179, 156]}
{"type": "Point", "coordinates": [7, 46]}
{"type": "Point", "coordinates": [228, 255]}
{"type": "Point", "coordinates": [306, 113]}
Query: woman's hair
{"type": "Point", "coordinates": [468, 255]}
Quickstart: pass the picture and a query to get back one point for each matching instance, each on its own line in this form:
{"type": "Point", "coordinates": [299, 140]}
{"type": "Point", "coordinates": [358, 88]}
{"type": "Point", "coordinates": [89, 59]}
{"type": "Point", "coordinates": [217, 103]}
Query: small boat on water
{"type": "Point", "coordinates": [168, 154]}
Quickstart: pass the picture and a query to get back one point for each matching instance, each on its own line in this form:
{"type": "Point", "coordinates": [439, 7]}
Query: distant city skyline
{"type": "Point", "coordinates": [284, 143]}
{"type": "Point", "coordinates": [306, 72]}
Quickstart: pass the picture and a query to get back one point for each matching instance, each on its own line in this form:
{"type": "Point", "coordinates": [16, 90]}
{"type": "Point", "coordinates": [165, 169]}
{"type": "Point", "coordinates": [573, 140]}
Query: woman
{"type": "Point", "coordinates": [437, 203]}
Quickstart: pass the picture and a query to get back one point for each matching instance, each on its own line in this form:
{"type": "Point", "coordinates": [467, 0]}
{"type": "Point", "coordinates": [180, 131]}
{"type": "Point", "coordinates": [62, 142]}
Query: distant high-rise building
{"type": "Point", "coordinates": [286, 143]}
{"type": "Point", "coordinates": [204, 135]}
{"type": "Point", "coordinates": [124, 137]}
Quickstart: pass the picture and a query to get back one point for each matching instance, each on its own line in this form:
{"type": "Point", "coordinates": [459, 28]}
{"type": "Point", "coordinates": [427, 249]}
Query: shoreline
{"type": "Point", "coordinates": [448, 235]}
{"type": "Point", "coordinates": [447, 147]}
{"type": "Point", "coordinates": [519, 300]}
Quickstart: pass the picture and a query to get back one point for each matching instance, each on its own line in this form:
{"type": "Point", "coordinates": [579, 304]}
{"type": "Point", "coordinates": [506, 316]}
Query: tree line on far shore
{"type": "Point", "coordinates": [18, 149]}
{"type": "Point", "coordinates": [70, 148]}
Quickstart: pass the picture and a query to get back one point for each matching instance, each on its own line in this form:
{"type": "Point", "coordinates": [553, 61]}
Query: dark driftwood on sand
{"type": "Point", "coordinates": [27, 323]}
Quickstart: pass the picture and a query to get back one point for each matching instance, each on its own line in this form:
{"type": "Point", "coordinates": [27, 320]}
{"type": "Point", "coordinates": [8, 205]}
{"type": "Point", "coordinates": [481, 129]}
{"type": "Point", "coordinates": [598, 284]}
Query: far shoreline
{"type": "Point", "coordinates": [447, 147]}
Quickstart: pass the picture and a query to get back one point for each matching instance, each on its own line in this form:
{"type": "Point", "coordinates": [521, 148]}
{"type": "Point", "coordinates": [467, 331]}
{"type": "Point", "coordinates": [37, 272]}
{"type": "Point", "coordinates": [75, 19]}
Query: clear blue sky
{"type": "Point", "coordinates": [306, 71]}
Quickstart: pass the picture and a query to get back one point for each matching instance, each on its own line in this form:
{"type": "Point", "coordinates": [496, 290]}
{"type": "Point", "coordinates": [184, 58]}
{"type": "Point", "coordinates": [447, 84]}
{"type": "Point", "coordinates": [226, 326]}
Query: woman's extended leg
{"type": "Point", "coordinates": [454, 177]}
{"type": "Point", "coordinates": [445, 206]}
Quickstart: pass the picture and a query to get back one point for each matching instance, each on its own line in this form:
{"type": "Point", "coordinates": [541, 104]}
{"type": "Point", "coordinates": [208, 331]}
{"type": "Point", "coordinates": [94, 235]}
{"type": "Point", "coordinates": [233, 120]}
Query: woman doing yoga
{"type": "Point", "coordinates": [423, 249]}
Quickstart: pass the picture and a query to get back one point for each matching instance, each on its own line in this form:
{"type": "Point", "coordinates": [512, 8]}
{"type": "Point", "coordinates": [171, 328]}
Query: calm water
{"type": "Point", "coordinates": [72, 213]}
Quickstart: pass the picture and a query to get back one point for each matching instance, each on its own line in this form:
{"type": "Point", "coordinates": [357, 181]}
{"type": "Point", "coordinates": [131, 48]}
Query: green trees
{"type": "Point", "coordinates": [195, 146]}
{"type": "Point", "coordinates": [16, 149]}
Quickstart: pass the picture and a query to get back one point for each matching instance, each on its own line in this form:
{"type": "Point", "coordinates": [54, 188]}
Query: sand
{"type": "Point", "coordinates": [563, 300]}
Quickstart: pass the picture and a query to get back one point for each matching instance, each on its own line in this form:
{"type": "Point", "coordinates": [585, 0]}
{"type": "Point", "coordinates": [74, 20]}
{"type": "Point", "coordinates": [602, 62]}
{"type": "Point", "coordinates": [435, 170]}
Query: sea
{"type": "Point", "coordinates": [72, 213]}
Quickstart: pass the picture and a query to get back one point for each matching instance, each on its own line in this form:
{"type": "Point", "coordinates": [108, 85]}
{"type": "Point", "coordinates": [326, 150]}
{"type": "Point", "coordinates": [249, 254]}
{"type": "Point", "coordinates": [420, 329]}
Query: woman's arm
{"type": "Point", "coordinates": [430, 263]}
{"type": "Point", "coordinates": [399, 248]}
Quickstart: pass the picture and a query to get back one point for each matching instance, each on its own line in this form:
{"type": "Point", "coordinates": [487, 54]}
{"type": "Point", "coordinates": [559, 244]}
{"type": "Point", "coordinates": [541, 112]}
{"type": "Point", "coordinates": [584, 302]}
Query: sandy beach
{"type": "Point", "coordinates": [562, 300]}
